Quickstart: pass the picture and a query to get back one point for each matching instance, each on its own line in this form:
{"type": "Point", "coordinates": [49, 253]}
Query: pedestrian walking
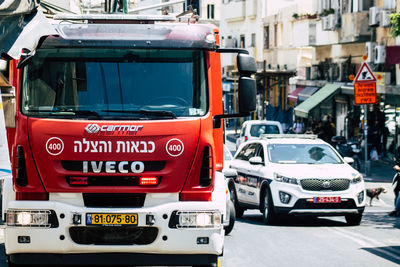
{"type": "Point", "coordinates": [298, 126]}
{"type": "Point", "coordinates": [396, 189]}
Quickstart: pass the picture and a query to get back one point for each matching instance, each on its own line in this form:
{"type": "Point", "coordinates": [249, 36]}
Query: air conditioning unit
{"type": "Point", "coordinates": [370, 51]}
{"type": "Point", "coordinates": [380, 54]}
{"type": "Point", "coordinates": [314, 72]}
{"type": "Point", "coordinates": [374, 15]}
{"type": "Point", "coordinates": [384, 18]}
{"type": "Point", "coordinates": [334, 21]}
{"type": "Point", "coordinates": [325, 23]}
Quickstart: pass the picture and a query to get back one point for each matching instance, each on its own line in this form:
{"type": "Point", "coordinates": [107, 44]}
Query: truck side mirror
{"type": "Point", "coordinates": [247, 85]}
{"type": "Point", "coordinates": [246, 64]}
{"type": "Point", "coordinates": [247, 95]}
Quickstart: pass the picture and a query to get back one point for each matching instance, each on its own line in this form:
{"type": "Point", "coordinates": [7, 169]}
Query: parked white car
{"type": "Point", "coordinates": [252, 129]}
{"type": "Point", "coordinates": [296, 175]}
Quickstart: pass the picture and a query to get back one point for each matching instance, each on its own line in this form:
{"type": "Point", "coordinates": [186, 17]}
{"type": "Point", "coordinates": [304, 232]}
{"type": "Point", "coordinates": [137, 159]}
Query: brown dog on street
{"type": "Point", "coordinates": [374, 193]}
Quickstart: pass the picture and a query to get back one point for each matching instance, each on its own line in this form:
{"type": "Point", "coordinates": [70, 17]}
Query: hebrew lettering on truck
{"type": "Point", "coordinates": [116, 143]}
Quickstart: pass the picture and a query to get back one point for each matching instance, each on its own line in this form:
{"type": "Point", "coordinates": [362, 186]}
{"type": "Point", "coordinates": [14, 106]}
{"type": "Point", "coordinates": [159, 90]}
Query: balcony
{"type": "Point", "coordinates": [304, 33]}
{"type": "Point", "coordinates": [355, 27]}
{"type": "Point", "coordinates": [234, 11]}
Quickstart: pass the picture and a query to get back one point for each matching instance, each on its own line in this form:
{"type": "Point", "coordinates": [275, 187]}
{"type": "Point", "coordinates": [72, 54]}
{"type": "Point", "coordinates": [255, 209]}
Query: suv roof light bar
{"type": "Point", "coordinates": [303, 136]}
{"type": "Point", "coordinates": [115, 18]}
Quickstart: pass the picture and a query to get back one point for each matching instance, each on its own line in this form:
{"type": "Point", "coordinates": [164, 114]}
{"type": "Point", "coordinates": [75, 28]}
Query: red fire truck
{"type": "Point", "coordinates": [116, 143]}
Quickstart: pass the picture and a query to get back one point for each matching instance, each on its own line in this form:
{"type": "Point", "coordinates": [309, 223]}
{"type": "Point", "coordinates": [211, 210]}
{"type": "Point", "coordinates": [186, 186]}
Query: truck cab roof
{"type": "Point", "coordinates": [160, 35]}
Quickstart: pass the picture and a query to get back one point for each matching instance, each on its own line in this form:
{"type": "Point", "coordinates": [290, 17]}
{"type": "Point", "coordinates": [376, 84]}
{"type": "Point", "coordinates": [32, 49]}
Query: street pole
{"type": "Point", "coordinates": [366, 161]}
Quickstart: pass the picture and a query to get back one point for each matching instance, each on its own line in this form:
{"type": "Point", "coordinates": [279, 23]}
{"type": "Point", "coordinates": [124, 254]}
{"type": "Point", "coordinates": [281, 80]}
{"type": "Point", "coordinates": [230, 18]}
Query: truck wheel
{"type": "Point", "coordinates": [238, 210]}
{"type": "Point", "coordinates": [10, 264]}
{"type": "Point", "coordinates": [232, 217]}
{"type": "Point", "coordinates": [269, 215]}
{"type": "Point", "coordinates": [353, 219]}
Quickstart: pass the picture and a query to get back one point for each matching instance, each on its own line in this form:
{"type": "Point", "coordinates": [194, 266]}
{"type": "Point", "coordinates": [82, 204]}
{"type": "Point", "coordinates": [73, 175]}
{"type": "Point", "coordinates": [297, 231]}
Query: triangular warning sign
{"type": "Point", "coordinates": [365, 74]}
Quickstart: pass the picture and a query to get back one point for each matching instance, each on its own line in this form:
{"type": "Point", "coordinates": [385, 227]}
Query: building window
{"type": "Point", "coordinates": [210, 11]}
{"type": "Point", "coordinates": [266, 37]}
{"type": "Point", "coordinates": [275, 35]}
{"type": "Point", "coordinates": [253, 40]}
{"type": "Point", "coordinates": [242, 41]}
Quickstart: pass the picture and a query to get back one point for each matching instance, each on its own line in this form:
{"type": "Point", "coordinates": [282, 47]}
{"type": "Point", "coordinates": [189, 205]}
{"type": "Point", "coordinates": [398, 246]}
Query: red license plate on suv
{"type": "Point", "coordinates": [327, 200]}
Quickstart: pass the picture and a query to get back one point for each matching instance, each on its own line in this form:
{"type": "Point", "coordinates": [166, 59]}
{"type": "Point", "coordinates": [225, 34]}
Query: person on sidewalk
{"type": "Point", "coordinates": [396, 189]}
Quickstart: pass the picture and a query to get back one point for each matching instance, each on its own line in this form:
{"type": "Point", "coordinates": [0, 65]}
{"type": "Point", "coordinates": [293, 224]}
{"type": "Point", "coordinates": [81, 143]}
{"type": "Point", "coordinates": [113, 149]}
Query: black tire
{"type": "Point", "coordinates": [353, 219]}
{"type": "Point", "coordinates": [268, 211]}
{"type": "Point", "coordinates": [232, 217]}
{"type": "Point", "coordinates": [10, 264]}
{"type": "Point", "coordinates": [238, 209]}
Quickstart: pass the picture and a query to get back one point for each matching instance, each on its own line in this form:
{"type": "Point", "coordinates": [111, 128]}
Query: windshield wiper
{"type": "Point", "coordinates": [65, 111]}
{"type": "Point", "coordinates": [158, 113]}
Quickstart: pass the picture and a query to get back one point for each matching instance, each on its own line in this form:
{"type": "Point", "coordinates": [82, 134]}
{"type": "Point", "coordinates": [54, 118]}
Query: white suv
{"type": "Point", "coordinates": [252, 129]}
{"type": "Point", "coordinates": [296, 175]}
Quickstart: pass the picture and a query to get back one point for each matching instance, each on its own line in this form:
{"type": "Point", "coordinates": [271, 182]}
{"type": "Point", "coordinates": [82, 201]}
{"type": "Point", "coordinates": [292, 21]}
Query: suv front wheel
{"type": "Point", "coordinates": [353, 219]}
{"type": "Point", "coordinates": [268, 210]}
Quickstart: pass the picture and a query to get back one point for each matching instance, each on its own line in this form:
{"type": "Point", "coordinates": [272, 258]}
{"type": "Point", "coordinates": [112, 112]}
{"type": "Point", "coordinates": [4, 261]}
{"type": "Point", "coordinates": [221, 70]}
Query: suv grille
{"type": "Point", "coordinates": [325, 184]}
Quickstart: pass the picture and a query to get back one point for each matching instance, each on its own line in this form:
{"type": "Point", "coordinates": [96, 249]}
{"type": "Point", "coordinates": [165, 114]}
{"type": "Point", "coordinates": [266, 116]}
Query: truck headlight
{"type": "Point", "coordinates": [284, 179]}
{"type": "Point", "coordinates": [32, 218]}
{"type": "Point", "coordinates": [357, 178]}
{"type": "Point", "coordinates": [198, 219]}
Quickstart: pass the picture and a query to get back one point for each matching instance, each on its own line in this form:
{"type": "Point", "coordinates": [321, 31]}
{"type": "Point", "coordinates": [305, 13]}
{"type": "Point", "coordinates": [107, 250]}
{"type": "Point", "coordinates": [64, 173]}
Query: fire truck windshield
{"type": "Point", "coordinates": [115, 83]}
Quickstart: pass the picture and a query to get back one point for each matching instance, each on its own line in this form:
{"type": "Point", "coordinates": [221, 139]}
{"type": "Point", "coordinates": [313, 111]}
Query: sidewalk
{"type": "Point", "coordinates": [380, 170]}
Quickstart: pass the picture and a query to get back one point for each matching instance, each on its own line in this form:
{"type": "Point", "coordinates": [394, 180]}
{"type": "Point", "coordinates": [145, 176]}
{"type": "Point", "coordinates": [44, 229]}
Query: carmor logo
{"type": "Point", "coordinates": [92, 128]}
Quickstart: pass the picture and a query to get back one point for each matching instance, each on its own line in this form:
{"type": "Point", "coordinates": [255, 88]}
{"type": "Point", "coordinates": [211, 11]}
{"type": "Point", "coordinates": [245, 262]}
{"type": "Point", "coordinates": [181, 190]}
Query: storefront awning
{"type": "Point", "coordinates": [293, 96]}
{"type": "Point", "coordinates": [325, 92]}
{"type": "Point", "coordinates": [307, 92]}
{"type": "Point", "coordinates": [392, 55]}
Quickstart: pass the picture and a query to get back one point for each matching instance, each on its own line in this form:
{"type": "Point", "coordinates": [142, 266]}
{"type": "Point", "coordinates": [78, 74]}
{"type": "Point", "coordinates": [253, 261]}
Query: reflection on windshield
{"type": "Point", "coordinates": [302, 154]}
{"type": "Point", "coordinates": [122, 83]}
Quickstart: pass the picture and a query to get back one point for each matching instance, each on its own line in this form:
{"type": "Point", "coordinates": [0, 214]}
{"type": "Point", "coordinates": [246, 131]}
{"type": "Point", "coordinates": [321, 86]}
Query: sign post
{"type": "Point", "coordinates": [364, 94]}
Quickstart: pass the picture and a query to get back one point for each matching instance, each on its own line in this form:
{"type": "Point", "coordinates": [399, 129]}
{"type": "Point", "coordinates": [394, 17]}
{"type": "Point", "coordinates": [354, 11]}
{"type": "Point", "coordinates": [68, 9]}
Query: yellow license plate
{"type": "Point", "coordinates": [111, 218]}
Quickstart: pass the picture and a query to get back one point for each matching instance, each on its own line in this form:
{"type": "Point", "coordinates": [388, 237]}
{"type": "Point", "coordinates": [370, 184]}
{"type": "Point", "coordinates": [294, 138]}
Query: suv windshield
{"type": "Point", "coordinates": [115, 83]}
{"type": "Point", "coordinates": [302, 154]}
{"type": "Point", "coordinates": [259, 129]}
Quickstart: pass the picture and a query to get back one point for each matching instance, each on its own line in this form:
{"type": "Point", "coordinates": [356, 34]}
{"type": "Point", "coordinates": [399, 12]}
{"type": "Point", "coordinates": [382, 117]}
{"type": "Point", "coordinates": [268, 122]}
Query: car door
{"type": "Point", "coordinates": [255, 176]}
{"type": "Point", "coordinates": [242, 166]}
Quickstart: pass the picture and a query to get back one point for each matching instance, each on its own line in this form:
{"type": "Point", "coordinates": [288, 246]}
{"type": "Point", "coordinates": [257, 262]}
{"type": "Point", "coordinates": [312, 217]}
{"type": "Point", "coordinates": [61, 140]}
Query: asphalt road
{"type": "Point", "coordinates": [323, 241]}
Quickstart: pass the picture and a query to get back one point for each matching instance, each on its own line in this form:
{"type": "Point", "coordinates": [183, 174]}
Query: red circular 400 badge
{"type": "Point", "coordinates": [174, 147]}
{"type": "Point", "coordinates": [54, 146]}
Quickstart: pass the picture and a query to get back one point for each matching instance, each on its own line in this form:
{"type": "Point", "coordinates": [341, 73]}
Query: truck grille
{"type": "Point", "coordinates": [104, 235]}
{"type": "Point", "coordinates": [325, 184]}
{"type": "Point", "coordinates": [113, 200]}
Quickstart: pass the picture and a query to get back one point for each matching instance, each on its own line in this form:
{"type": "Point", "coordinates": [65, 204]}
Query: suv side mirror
{"type": "Point", "coordinates": [256, 161]}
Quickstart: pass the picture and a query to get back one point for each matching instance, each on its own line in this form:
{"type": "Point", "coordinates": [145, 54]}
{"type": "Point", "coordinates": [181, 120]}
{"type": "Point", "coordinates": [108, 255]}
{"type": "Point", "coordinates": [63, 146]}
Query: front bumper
{"type": "Point", "coordinates": [300, 203]}
{"type": "Point", "coordinates": [53, 245]}
{"type": "Point", "coordinates": [139, 259]}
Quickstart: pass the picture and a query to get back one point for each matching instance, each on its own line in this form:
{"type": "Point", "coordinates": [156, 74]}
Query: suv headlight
{"type": "Point", "coordinates": [285, 179]}
{"type": "Point", "coordinates": [357, 178]}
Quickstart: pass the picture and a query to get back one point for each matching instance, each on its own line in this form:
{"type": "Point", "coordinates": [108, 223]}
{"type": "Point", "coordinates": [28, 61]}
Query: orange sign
{"type": "Point", "coordinates": [364, 93]}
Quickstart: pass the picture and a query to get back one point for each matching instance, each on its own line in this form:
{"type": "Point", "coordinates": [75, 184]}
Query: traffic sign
{"type": "Point", "coordinates": [364, 93]}
{"type": "Point", "coordinates": [365, 74]}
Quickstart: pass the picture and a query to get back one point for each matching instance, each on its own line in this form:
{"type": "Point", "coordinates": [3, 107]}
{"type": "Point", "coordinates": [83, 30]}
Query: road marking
{"type": "Point", "coordinates": [367, 242]}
